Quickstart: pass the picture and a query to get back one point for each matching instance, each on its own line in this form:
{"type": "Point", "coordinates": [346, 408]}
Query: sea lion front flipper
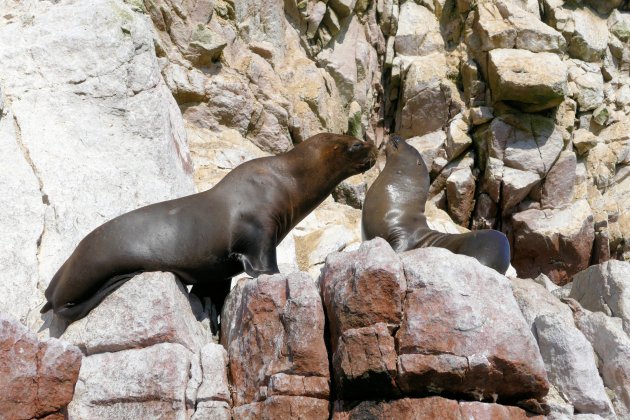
{"type": "Point", "coordinates": [261, 262]}
{"type": "Point", "coordinates": [216, 292]}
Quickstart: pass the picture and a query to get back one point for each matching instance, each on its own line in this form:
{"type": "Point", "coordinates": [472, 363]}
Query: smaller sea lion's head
{"type": "Point", "coordinates": [399, 150]}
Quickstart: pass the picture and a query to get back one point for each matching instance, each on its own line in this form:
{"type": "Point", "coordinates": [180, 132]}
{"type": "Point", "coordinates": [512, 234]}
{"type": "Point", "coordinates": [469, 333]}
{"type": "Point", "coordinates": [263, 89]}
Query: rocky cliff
{"type": "Point", "coordinates": [520, 108]}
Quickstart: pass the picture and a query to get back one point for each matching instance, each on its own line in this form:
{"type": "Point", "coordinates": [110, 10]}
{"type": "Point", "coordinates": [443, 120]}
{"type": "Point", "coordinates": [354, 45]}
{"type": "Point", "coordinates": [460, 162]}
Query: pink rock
{"type": "Point", "coordinates": [433, 408]}
{"type": "Point", "coordinates": [365, 363]}
{"type": "Point", "coordinates": [273, 329]}
{"type": "Point", "coordinates": [555, 242]}
{"type": "Point", "coordinates": [463, 331]}
{"type": "Point", "coordinates": [36, 378]}
{"type": "Point", "coordinates": [362, 288]}
{"type": "Point", "coordinates": [284, 407]}
{"type": "Point", "coordinates": [444, 324]}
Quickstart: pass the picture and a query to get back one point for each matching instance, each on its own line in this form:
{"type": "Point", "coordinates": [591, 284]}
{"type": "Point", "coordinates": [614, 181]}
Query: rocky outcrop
{"type": "Point", "coordinates": [148, 351]}
{"type": "Point", "coordinates": [89, 131]}
{"type": "Point", "coordinates": [612, 346]}
{"type": "Point", "coordinates": [101, 102]}
{"type": "Point", "coordinates": [605, 288]}
{"type": "Point", "coordinates": [566, 235]}
{"type": "Point", "coordinates": [273, 330]}
{"type": "Point", "coordinates": [37, 378]}
{"type": "Point", "coordinates": [411, 325]}
{"type": "Point", "coordinates": [430, 408]}
{"type": "Point", "coordinates": [131, 318]}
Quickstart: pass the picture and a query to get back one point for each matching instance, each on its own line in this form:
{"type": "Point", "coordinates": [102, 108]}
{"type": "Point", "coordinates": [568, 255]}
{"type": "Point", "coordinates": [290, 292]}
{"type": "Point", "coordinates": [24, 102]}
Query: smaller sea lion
{"type": "Point", "coordinates": [209, 237]}
{"type": "Point", "coordinates": [394, 210]}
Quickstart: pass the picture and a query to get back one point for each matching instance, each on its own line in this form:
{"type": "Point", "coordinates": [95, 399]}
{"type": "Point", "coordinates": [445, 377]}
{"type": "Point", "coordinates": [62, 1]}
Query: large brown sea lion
{"type": "Point", "coordinates": [394, 210]}
{"type": "Point", "coordinates": [209, 237]}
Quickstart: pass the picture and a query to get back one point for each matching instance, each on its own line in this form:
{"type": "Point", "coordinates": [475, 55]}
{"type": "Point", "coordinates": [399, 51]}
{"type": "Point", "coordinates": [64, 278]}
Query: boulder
{"type": "Point", "coordinates": [516, 185]}
{"type": "Point", "coordinates": [558, 188]}
{"type": "Point", "coordinates": [426, 97]}
{"type": "Point", "coordinates": [571, 365]}
{"type": "Point", "coordinates": [556, 242]}
{"type": "Point", "coordinates": [605, 288]}
{"type": "Point", "coordinates": [502, 24]}
{"type": "Point", "coordinates": [273, 330]}
{"type": "Point", "coordinates": [531, 81]}
{"type": "Point", "coordinates": [458, 139]}
{"type": "Point", "coordinates": [139, 383]}
{"type": "Point", "coordinates": [443, 336]}
{"type": "Point", "coordinates": [37, 378]}
{"type": "Point", "coordinates": [150, 308]}
{"type": "Point", "coordinates": [460, 195]}
{"type": "Point", "coordinates": [612, 346]}
{"type": "Point", "coordinates": [418, 31]}
{"type": "Point", "coordinates": [362, 288]}
{"type": "Point", "coordinates": [429, 408]}
{"type": "Point", "coordinates": [586, 84]}
{"type": "Point", "coordinates": [569, 358]}
{"type": "Point", "coordinates": [527, 142]}
{"type": "Point", "coordinates": [589, 37]}
{"type": "Point", "coordinates": [92, 132]}
{"type": "Point", "coordinates": [414, 324]}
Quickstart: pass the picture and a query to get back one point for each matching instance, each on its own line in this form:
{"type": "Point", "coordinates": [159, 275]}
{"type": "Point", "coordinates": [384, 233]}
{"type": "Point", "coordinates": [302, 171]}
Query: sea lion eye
{"type": "Point", "coordinates": [356, 146]}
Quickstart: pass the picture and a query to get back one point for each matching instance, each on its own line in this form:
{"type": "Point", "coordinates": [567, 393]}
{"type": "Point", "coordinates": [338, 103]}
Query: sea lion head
{"type": "Point", "coordinates": [349, 153]}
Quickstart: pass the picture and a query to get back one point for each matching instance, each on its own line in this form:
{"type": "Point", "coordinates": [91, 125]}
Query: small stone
{"type": "Point", "coordinates": [206, 45]}
{"type": "Point", "coordinates": [481, 115]}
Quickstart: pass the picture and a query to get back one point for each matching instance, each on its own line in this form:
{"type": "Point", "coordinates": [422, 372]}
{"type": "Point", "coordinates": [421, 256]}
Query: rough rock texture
{"type": "Point", "coordinates": [273, 330]}
{"type": "Point", "coordinates": [605, 288]}
{"type": "Point", "coordinates": [571, 365]}
{"type": "Point", "coordinates": [612, 347]}
{"type": "Point", "coordinates": [150, 308]}
{"type": "Point", "coordinates": [89, 129]}
{"type": "Point", "coordinates": [212, 398]}
{"type": "Point", "coordinates": [88, 125]}
{"type": "Point", "coordinates": [565, 235]}
{"type": "Point", "coordinates": [429, 408]}
{"type": "Point", "coordinates": [141, 383]}
{"type": "Point", "coordinates": [37, 378]}
{"type": "Point", "coordinates": [533, 81]}
{"type": "Point", "coordinates": [426, 327]}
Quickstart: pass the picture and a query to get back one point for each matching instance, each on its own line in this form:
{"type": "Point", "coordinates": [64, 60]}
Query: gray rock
{"type": "Point", "coordinates": [612, 346]}
{"type": "Point", "coordinates": [605, 288]}
{"type": "Point", "coordinates": [586, 84]}
{"type": "Point", "coordinates": [418, 31]}
{"type": "Point", "coordinates": [426, 99]}
{"type": "Point", "coordinates": [131, 318]}
{"type": "Point", "coordinates": [533, 81]}
{"type": "Point", "coordinates": [570, 364]}
{"type": "Point", "coordinates": [139, 383]}
{"type": "Point", "coordinates": [82, 90]}
{"type": "Point", "coordinates": [590, 36]}
{"type": "Point", "coordinates": [502, 24]}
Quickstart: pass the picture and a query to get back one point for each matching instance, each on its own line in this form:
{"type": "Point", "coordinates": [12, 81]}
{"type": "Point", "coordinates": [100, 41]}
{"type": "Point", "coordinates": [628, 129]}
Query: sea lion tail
{"type": "Point", "coordinates": [47, 307]}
